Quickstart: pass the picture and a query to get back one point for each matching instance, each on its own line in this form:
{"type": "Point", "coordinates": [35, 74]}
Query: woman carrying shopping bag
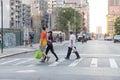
{"type": "Point", "coordinates": [43, 43]}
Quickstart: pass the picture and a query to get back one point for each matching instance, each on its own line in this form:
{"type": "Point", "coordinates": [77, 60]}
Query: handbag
{"type": "Point", "coordinates": [38, 54]}
{"type": "Point", "coordinates": [74, 50]}
{"type": "Point", "coordinates": [49, 43]}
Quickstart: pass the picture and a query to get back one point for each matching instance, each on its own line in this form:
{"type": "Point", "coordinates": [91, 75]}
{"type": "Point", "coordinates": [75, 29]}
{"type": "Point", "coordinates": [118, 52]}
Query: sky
{"type": "Point", "coordinates": [98, 12]}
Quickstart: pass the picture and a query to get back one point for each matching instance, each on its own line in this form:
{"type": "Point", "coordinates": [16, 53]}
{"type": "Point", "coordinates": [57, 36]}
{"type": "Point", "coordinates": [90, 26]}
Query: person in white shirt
{"type": "Point", "coordinates": [72, 41]}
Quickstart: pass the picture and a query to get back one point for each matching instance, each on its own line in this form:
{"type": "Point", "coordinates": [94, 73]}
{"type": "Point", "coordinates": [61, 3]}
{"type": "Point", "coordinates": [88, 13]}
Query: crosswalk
{"type": "Point", "coordinates": [82, 62]}
{"type": "Point", "coordinates": [94, 62]}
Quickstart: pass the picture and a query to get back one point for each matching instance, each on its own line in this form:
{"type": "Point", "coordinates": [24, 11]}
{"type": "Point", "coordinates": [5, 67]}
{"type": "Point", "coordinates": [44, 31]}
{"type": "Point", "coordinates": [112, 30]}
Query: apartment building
{"type": "Point", "coordinates": [13, 14]}
{"type": "Point", "coordinates": [35, 14]}
{"type": "Point", "coordinates": [113, 13]}
{"type": "Point", "coordinates": [26, 15]}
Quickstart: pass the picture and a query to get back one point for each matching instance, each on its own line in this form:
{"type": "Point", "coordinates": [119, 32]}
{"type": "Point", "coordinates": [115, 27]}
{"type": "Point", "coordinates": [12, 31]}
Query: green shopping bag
{"type": "Point", "coordinates": [38, 54]}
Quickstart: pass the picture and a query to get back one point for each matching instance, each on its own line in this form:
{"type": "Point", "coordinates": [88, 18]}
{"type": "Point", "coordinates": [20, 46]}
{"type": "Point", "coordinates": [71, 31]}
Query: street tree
{"type": "Point", "coordinates": [117, 26]}
{"type": "Point", "coordinates": [68, 17]}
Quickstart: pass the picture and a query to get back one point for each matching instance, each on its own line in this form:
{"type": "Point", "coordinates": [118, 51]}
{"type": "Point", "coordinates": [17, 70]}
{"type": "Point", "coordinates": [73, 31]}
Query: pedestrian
{"type": "Point", "coordinates": [57, 37]}
{"type": "Point", "coordinates": [43, 43]}
{"type": "Point", "coordinates": [26, 39]}
{"type": "Point", "coordinates": [72, 41]}
{"type": "Point", "coordinates": [31, 37]}
{"type": "Point", "coordinates": [60, 37]}
{"type": "Point", "coordinates": [83, 38]}
{"type": "Point", "coordinates": [50, 45]}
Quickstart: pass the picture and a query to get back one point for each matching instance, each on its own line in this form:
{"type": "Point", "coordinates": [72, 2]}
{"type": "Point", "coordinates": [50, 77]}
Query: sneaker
{"type": "Point", "coordinates": [78, 58]}
{"type": "Point", "coordinates": [42, 61]}
{"type": "Point", "coordinates": [57, 59]}
{"type": "Point", "coordinates": [66, 58]}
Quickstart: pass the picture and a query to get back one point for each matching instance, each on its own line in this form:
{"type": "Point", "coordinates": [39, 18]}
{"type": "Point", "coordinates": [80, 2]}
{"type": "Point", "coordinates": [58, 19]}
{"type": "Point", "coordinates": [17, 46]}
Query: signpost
{"type": "Point", "coordinates": [51, 4]}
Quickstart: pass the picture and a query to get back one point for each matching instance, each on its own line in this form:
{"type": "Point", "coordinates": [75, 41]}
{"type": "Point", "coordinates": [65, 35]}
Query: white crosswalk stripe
{"type": "Point", "coordinates": [31, 65]}
{"type": "Point", "coordinates": [6, 62]}
{"type": "Point", "coordinates": [2, 60]}
{"type": "Point", "coordinates": [113, 63]}
{"type": "Point", "coordinates": [76, 62]}
{"type": "Point", "coordinates": [56, 63]}
{"type": "Point", "coordinates": [25, 61]}
{"type": "Point", "coordinates": [94, 63]}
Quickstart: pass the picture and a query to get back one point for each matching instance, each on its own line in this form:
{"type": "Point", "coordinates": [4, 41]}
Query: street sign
{"type": "Point", "coordinates": [49, 6]}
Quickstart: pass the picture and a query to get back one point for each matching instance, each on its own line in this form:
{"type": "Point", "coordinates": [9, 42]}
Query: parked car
{"type": "Point", "coordinates": [116, 38]}
{"type": "Point", "coordinates": [108, 38]}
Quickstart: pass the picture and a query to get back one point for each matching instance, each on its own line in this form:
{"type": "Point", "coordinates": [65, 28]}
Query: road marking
{"type": "Point", "coordinates": [9, 61]}
{"type": "Point", "coordinates": [56, 63]}
{"type": "Point", "coordinates": [24, 61]}
{"type": "Point", "coordinates": [75, 63]}
{"type": "Point", "coordinates": [94, 63]}
{"type": "Point", "coordinates": [113, 63]}
{"type": "Point", "coordinates": [26, 71]}
{"type": "Point", "coordinates": [31, 65]}
{"type": "Point", "coordinates": [2, 59]}
{"type": "Point", "coordinates": [91, 55]}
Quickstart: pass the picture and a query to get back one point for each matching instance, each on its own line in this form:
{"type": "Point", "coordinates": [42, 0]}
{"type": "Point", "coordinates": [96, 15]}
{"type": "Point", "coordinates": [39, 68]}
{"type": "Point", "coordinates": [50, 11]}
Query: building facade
{"type": "Point", "coordinates": [35, 12]}
{"type": "Point", "coordinates": [38, 12]}
{"type": "Point", "coordinates": [113, 2]}
{"type": "Point", "coordinates": [99, 32]}
{"type": "Point", "coordinates": [26, 18]}
{"type": "Point", "coordinates": [80, 5]}
{"type": "Point", "coordinates": [52, 11]}
{"type": "Point", "coordinates": [83, 7]}
{"type": "Point", "coordinates": [43, 6]}
{"type": "Point", "coordinates": [13, 14]}
{"type": "Point", "coordinates": [113, 13]}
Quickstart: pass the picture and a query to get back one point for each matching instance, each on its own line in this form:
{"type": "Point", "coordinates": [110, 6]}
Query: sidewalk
{"type": "Point", "coordinates": [22, 49]}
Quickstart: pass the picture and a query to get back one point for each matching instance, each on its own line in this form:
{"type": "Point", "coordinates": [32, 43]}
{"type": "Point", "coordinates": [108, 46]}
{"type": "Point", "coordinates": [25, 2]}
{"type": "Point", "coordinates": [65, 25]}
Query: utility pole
{"type": "Point", "coordinates": [2, 26]}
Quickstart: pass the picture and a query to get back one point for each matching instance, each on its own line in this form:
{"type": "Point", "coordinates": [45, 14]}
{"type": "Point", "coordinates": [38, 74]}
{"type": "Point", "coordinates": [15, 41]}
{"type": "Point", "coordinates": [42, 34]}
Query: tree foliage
{"type": "Point", "coordinates": [117, 26]}
{"type": "Point", "coordinates": [66, 15]}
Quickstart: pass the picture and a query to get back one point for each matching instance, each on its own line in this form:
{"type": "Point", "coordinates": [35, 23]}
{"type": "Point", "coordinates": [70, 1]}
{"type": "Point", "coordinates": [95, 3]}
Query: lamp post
{"type": "Point", "coordinates": [2, 26]}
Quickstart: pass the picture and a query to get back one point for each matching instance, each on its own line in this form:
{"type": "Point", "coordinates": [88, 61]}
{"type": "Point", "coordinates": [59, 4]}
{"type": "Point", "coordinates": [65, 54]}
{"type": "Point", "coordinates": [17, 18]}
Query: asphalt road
{"type": "Point", "coordinates": [100, 60]}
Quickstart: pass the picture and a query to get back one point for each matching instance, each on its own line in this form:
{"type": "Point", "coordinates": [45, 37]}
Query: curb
{"type": "Point", "coordinates": [8, 55]}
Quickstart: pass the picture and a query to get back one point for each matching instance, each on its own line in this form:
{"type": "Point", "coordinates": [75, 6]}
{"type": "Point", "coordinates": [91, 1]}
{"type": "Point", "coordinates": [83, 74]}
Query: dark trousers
{"type": "Point", "coordinates": [69, 53]}
{"type": "Point", "coordinates": [50, 47]}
